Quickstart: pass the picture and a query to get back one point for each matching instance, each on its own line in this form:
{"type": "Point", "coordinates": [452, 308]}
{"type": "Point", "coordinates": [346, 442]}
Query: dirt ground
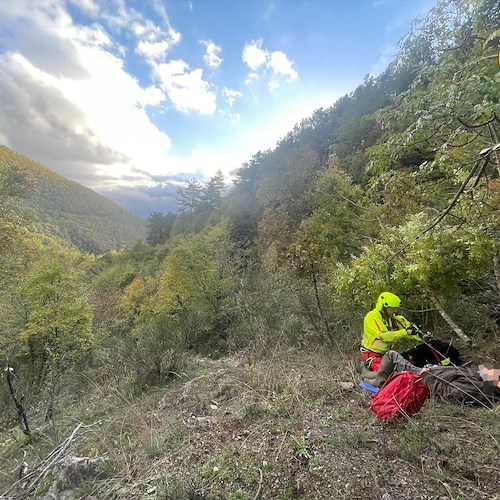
{"type": "Point", "coordinates": [292, 426]}
{"type": "Point", "coordinates": [314, 436]}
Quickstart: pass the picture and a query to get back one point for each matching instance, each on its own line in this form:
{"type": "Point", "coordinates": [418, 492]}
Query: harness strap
{"type": "Point", "coordinates": [435, 354]}
{"type": "Point", "coordinates": [369, 360]}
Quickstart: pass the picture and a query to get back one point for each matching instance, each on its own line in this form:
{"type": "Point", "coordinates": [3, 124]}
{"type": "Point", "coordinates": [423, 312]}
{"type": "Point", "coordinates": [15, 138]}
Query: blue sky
{"type": "Point", "coordinates": [133, 97]}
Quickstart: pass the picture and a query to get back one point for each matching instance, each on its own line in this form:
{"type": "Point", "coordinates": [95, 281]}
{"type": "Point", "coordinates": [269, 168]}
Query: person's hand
{"type": "Point", "coordinates": [412, 334]}
{"type": "Point", "coordinates": [427, 336]}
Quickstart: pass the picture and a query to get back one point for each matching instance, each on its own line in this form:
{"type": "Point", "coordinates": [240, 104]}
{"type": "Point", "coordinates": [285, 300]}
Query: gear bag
{"type": "Point", "coordinates": [432, 353]}
{"type": "Point", "coordinates": [402, 395]}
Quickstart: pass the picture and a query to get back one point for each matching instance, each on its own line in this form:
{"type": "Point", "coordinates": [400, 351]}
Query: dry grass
{"type": "Point", "coordinates": [284, 426]}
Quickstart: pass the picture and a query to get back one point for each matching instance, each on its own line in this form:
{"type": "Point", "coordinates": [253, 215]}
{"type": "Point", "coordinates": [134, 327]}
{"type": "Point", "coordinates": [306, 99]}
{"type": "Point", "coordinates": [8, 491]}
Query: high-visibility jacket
{"type": "Point", "coordinates": [380, 335]}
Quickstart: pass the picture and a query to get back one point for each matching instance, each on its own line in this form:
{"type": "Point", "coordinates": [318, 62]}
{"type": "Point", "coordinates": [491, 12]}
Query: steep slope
{"type": "Point", "coordinates": [295, 425]}
{"type": "Point", "coordinates": [68, 212]}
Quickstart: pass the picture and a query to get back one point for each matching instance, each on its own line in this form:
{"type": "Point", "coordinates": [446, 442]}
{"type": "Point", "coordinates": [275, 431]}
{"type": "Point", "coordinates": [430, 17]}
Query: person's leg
{"type": "Point", "coordinates": [385, 370]}
{"type": "Point", "coordinates": [401, 364]}
{"type": "Point", "coordinates": [371, 359]}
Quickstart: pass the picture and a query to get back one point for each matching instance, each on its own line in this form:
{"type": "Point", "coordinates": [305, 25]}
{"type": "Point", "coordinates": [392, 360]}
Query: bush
{"type": "Point", "coordinates": [151, 353]}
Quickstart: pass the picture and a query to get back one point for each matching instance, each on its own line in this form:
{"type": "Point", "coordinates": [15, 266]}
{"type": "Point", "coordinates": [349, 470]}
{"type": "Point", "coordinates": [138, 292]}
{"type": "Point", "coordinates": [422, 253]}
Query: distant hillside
{"type": "Point", "coordinates": [69, 212]}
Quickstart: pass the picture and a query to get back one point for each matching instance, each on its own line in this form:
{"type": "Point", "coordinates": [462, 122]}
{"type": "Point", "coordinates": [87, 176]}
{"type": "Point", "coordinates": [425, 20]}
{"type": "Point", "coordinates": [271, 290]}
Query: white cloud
{"type": "Point", "coordinates": [280, 64]}
{"type": "Point", "coordinates": [40, 121]}
{"type": "Point", "coordinates": [69, 102]}
{"type": "Point", "coordinates": [114, 14]}
{"type": "Point", "coordinates": [94, 36]}
{"type": "Point", "coordinates": [259, 59]}
{"type": "Point", "coordinates": [85, 115]}
{"type": "Point", "coordinates": [107, 110]}
{"type": "Point", "coordinates": [230, 95]}
{"type": "Point", "coordinates": [212, 55]}
{"type": "Point", "coordinates": [186, 89]}
{"type": "Point", "coordinates": [251, 77]}
{"type": "Point", "coordinates": [88, 6]}
{"type": "Point", "coordinates": [153, 42]}
{"type": "Point", "coordinates": [253, 54]}
{"type": "Point", "coordinates": [273, 84]}
{"type": "Point", "coordinates": [152, 50]}
{"type": "Point", "coordinates": [160, 9]}
{"type": "Point", "coordinates": [235, 118]}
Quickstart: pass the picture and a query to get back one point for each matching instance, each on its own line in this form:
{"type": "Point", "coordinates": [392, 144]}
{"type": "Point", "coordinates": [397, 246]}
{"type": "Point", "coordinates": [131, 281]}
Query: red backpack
{"type": "Point", "coordinates": [403, 394]}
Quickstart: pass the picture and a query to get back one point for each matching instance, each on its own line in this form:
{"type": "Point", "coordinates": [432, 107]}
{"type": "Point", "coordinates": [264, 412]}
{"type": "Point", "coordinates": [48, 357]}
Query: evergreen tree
{"type": "Point", "coordinates": [190, 197]}
{"type": "Point", "coordinates": [158, 227]}
{"type": "Point", "coordinates": [213, 193]}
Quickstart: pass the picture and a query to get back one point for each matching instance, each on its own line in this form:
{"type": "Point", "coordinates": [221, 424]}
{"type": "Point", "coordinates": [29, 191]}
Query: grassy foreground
{"type": "Point", "coordinates": [289, 425]}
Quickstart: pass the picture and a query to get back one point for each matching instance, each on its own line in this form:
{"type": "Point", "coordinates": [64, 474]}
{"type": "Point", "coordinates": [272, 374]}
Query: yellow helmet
{"type": "Point", "coordinates": [388, 299]}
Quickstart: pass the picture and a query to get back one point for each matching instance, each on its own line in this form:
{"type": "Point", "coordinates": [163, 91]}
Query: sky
{"type": "Point", "coordinates": [133, 98]}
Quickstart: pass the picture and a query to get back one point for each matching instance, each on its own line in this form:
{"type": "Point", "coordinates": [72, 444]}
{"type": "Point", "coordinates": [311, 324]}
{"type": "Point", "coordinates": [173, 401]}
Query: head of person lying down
{"type": "Point", "coordinates": [490, 374]}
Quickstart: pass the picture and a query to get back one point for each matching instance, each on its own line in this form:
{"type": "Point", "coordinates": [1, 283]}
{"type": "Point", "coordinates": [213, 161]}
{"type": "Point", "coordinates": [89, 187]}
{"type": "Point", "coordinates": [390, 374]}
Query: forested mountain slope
{"type": "Point", "coordinates": [69, 212]}
{"type": "Point", "coordinates": [217, 359]}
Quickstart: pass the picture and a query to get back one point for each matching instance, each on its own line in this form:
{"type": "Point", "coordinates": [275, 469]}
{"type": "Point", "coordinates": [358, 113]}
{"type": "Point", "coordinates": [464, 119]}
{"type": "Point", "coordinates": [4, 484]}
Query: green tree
{"type": "Point", "coordinates": [190, 197]}
{"type": "Point", "coordinates": [286, 180]}
{"type": "Point", "coordinates": [158, 227]}
{"type": "Point", "coordinates": [432, 192]}
{"type": "Point", "coordinates": [242, 217]}
{"type": "Point", "coordinates": [15, 183]}
{"type": "Point", "coordinates": [59, 325]}
{"type": "Point", "coordinates": [248, 175]}
{"type": "Point", "coordinates": [198, 285]}
{"type": "Point", "coordinates": [213, 192]}
{"type": "Point", "coordinates": [48, 313]}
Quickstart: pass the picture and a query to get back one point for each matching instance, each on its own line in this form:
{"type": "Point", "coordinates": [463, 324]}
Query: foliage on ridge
{"type": "Point", "coordinates": [67, 212]}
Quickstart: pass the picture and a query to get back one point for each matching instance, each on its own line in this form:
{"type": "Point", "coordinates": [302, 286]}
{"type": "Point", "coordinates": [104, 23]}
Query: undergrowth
{"type": "Point", "coordinates": [292, 424]}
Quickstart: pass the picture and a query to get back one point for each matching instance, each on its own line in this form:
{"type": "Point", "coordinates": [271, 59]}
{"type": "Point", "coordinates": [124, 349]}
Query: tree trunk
{"type": "Point", "coordinates": [494, 136]}
{"type": "Point", "coordinates": [447, 318]}
{"type": "Point", "coordinates": [496, 269]}
{"type": "Point", "coordinates": [318, 303]}
{"type": "Point", "coordinates": [21, 412]}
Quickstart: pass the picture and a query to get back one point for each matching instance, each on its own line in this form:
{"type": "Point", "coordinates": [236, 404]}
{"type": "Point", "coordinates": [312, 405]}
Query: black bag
{"type": "Point", "coordinates": [432, 353]}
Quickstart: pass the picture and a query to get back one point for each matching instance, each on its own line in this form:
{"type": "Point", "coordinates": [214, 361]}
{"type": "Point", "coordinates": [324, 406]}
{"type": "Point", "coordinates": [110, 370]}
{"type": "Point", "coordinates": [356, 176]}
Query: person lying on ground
{"type": "Point", "coordinates": [459, 384]}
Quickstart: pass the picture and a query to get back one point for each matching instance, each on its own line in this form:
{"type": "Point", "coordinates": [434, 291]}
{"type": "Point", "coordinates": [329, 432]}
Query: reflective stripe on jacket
{"type": "Point", "coordinates": [379, 335]}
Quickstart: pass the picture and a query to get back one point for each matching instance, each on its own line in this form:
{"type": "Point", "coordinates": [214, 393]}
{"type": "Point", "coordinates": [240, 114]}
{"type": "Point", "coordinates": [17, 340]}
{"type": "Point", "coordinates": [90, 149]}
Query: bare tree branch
{"type": "Point", "coordinates": [21, 412]}
{"type": "Point", "coordinates": [447, 318]}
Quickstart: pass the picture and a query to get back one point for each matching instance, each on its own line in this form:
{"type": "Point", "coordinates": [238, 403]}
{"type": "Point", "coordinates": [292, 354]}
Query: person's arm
{"type": "Point", "coordinates": [406, 328]}
{"type": "Point", "coordinates": [388, 336]}
{"type": "Point", "coordinates": [375, 328]}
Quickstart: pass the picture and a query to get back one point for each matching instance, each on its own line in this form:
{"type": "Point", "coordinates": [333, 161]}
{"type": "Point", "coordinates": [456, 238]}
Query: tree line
{"type": "Point", "coordinates": [194, 200]}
